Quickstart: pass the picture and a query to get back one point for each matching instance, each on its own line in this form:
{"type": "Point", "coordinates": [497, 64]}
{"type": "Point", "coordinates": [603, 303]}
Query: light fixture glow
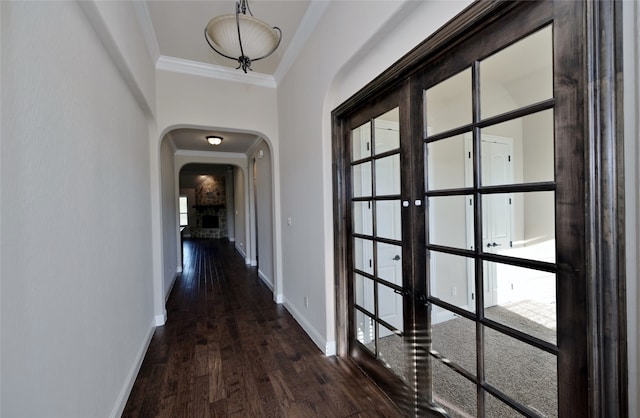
{"type": "Point", "coordinates": [214, 140]}
{"type": "Point", "coordinates": [242, 37]}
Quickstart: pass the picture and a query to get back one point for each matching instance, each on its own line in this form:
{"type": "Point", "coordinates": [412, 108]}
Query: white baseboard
{"type": "Point", "coordinates": [232, 239]}
{"type": "Point", "coordinates": [173, 282]}
{"type": "Point", "coordinates": [241, 251]}
{"type": "Point", "coordinates": [279, 298]}
{"type": "Point", "coordinates": [179, 270]}
{"type": "Point", "coordinates": [253, 263]}
{"type": "Point", "coordinates": [121, 401]}
{"type": "Point", "coordinates": [265, 279]}
{"type": "Point", "coordinates": [327, 347]}
{"type": "Point", "coordinates": [441, 315]}
{"type": "Point", "coordinates": [330, 349]}
{"type": "Point", "coordinates": [160, 320]}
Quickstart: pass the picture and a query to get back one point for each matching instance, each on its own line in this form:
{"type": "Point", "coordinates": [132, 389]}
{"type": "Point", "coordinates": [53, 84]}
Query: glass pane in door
{"type": "Point", "coordinates": [448, 103]}
{"type": "Point", "coordinates": [521, 298]}
{"type": "Point", "coordinates": [517, 76]}
{"type": "Point", "coordinates": [520, 225]}
{"type": "Point", "coordinates": [361, 142]}
{"type": "Point", "coordinates": [521, 371]}
{"type": "Point", "coordinates": [450, 163]}
{"type": "Point", "coordinates": [387, 131]}
{"type": "Point", "coordinates": [388, 175]}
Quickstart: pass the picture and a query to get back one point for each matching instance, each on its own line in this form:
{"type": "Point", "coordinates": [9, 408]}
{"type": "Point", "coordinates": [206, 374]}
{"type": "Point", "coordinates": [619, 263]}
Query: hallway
{"type": "Point", "coordinates": [228, 350]}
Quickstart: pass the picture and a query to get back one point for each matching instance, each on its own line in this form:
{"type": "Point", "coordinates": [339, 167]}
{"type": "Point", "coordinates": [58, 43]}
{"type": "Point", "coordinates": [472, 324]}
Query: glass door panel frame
{"type": "Point", "coordinates": [589, 202]}
{"type": "Point", "coordinates": [365, 358]}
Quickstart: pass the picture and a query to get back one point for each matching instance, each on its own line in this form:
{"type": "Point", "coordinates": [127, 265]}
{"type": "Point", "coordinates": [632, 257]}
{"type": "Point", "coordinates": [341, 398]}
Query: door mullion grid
{"type": "Point", "coordinates": [477, 242]}
{"type": "Point", "coordinates": [374, 233]}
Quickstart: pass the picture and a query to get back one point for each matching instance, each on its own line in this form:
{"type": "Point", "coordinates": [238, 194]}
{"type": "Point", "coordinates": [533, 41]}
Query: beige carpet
{"type": "Point", "coordinates": [523, 372]}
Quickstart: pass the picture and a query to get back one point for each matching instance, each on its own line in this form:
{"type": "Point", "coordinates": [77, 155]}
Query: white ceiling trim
{"type": "Point", "coordinates": [211, 154]}
{"type": "Point", "coordinates": [307, 25]}
{"type": "Point", "coordinates": [144, 20]}
{"type": "Point", "coordinates": [217, 72]}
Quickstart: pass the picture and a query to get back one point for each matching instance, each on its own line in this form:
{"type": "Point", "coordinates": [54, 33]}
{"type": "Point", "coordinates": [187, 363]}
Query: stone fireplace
{"type": "Point", "coordinates": [211, 213]}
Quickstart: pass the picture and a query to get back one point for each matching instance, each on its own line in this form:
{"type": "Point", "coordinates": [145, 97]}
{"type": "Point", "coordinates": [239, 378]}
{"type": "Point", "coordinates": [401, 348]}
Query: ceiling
{"type": "Point", "coordinates": [179, 31]}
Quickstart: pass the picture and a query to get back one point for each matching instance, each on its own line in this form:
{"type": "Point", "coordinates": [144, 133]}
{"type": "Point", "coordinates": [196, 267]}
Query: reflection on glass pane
{"type": "Point", "coordinates": [451, 221]}
{"type": "Point", "coordinates": [362, 218]}
{"type": "Point", "coordinates": [365, 331]}
{"type": "Point", "coordinates": [388, 175]}
{"type": "Point", "coordinates": [389, 259]}
{"type": "Point", "coordinates": [524, 299]}
{"type": "Point", "coordinates": [363, 255]}
{"type": "Point", "coordinates": [364, 293]}
{"type": "Point", "coordinates": [454, 339]}
{"type": "Point", "coordinates": [454, 393]}
{"type": "Point", "coordinates": [520, 225]}
{"type": "Point", "coordinates": [390, 306]}
{"type": "Point", "coordinates": [387, 131]}
{"type": "Point", "coordinates": [392, 351]}
{"type": "Point", "coordinates": [519, 151]}
{"type": "Point", "coordinates": [361, 142]}
{"type": "Point", "coordinates": [523, 372]}
{"type": "Point", "coordinates": [448, 104]}
{"type": "Point", "coordinates": [494, 407]}
{"type": "Point", "coordinates": [452, 280]}
{"type": "Point", "coordinates": [361, 180]}
{"type": "Point", "coordinates": [388, 219]}
{"type": "Point", "coordinates": [517, 76]}
{"type": "Point", "coordinates": [450, 163]}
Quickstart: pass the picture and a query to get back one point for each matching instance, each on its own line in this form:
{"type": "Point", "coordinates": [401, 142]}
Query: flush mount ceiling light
{"type": "Point", "coordinates": [242, 37]}
{"type": "Point", "coordinates": [214, 140]}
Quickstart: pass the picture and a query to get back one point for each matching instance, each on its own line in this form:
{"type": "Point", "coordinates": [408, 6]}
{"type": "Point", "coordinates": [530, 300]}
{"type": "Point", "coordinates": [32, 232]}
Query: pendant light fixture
{"type": "Point", "coordinates": [242, 37]}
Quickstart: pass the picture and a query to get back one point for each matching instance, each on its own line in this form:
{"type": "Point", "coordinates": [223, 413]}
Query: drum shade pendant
{"type": "Point", "coordinates": [242, 37]}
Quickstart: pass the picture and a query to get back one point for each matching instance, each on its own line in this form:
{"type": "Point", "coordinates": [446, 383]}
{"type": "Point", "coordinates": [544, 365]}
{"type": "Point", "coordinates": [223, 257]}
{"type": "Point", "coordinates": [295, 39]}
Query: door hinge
{"type": "Point", "coordinates": [510, 243]}
{"type": "Point", "coordinates": [469, 154]}
{"type": "Point", "coordinates": [509, 200]}
{"type": "Point", "coordinates": [509, 158]}
{"type": "Point", "coordinates": [368, 147]}
{"type": "Point", "coordinates": [473, 296]}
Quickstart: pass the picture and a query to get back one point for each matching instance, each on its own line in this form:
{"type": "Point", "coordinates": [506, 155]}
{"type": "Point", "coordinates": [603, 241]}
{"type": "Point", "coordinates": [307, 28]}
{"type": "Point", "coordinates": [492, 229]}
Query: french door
{"type": "Point", "coordinates": [463, 246]}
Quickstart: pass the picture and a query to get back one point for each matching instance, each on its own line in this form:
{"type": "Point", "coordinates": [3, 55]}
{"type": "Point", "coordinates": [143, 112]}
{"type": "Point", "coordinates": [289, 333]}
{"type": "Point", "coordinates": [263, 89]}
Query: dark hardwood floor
{"type": "Point", "coordinates": [228, 350]}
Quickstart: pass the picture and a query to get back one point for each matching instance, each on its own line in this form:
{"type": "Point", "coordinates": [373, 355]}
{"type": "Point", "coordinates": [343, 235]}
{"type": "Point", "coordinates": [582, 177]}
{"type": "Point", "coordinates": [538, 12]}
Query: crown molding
{"type": "Point", "coordinates": [217, 72]}
{"type": "Point", "coordinates": [144, 20]}
{"type": "Point", "coordinates": [211, 154]}
{"type": "Point", "coordinates": [307, 25]}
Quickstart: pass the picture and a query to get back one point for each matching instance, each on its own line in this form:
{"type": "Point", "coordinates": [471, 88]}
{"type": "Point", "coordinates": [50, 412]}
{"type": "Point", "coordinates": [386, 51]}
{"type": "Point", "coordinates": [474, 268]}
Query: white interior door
{"type": "Point", "coordinates": [497, 211]}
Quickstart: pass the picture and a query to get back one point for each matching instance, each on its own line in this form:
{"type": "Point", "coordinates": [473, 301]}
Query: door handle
{"type": "Point", "coordinates": [396, 258]}
{"type": "Point", "coordinates": [493, 245]}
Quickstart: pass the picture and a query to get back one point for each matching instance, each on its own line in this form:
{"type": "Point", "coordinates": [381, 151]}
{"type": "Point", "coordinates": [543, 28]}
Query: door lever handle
{"type": "Point", "coordinates": [396, 258]}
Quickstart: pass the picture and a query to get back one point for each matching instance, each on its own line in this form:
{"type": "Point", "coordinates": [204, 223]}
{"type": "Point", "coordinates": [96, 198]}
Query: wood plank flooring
{"type": "Point", "coordinates": [227, 350]}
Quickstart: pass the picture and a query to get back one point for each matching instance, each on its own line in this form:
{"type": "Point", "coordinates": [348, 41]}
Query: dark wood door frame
{"type": "Point", "coordinates": [595, 85]}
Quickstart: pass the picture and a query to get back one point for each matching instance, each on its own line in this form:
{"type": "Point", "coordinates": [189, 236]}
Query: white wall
{"type": "Point", "coordinates": [76, 277]}
{"type": "Point", "coordinates": [631, 40]}
{"type": "Point", "coordinates": [241, 213]}
{"type": "Point", "coordinates": [263, 204]}
{"type": "Point", "coordinates": [172, 263]}
{"type": "Point", "coordinates": [228, 181]}
{"type": "Point", "coordinates": [339, 59]}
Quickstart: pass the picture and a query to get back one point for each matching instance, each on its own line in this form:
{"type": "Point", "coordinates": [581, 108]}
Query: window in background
{"type": "Point", "coordinates": [184, 218]}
